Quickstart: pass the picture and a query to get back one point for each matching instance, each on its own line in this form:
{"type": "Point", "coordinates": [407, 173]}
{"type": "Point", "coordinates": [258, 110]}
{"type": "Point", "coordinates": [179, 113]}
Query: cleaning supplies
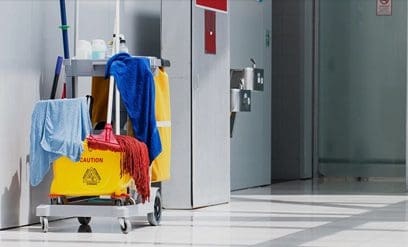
{"type": "Point", "coordinates": [58, 128]}
{"type": "Point", "coordinates": [134, 80]}
{"type": "Point", "coordinates": [98, 49]}
{"type": "Point", "coordinates": [109, 49]}
{"type": "Point", "coordinates": [84, 50]}
{"type": "Point", "coordinates": [123, 47]}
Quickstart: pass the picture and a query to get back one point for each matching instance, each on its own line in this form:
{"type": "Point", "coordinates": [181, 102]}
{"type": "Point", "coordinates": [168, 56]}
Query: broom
{"type": "Point", "coordinates": [106, 139]}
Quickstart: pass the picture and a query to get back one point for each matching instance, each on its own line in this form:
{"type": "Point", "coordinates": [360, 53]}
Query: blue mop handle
{"type": "Point", "coordinates": [64, 27]}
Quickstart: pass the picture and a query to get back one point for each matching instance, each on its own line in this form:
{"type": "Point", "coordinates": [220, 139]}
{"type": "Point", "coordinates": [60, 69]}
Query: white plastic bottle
{"type": "Point", "coordinates": [98, 49]}
{"type": "Point", "coordinates": [123, 47]}
{"type": "Point", "coordinates": [109, 49]}
{"type": "Point", "coordinates": [84, 50]}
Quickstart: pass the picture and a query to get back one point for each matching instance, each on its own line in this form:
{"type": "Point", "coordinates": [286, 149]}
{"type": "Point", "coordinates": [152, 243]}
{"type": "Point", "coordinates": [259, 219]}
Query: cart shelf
{"type": "Point", "coordinates": [75, 68]}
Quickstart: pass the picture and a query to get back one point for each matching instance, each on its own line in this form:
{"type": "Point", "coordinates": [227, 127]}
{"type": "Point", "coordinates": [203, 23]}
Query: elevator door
{"type": "Point", "coordinates": [361, 89]}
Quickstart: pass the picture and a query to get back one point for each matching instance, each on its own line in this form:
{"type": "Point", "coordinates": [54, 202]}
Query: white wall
{"type": "Point", "coordinates": [29, 44]}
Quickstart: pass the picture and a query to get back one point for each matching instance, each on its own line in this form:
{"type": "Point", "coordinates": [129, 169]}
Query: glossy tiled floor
{"type": "Point", "coordinates": [287, 214]}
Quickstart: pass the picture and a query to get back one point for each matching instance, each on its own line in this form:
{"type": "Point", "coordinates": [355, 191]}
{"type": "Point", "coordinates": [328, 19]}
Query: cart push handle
{"type": "Point", "coordinates": [116, 42]}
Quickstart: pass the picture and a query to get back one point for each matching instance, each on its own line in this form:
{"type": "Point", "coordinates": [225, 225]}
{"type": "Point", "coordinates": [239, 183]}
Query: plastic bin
{"type": "Point", "coordinates": [96, 174]}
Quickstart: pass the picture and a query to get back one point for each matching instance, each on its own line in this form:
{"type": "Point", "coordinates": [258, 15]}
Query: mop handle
{"type": "Point", "coordinates": [64, 27]}
{"type": "Point", "coordinates": [115, 49]}
{"type": "Point", "coordinates": [117, 94]}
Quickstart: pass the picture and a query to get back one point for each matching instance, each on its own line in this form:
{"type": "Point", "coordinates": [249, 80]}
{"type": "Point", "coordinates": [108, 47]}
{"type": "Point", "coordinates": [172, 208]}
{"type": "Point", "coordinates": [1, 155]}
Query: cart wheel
{"type": "Point", "coordinates": [118, 202]}
{"type": "Point", "coordinates": [54, 201]}
{"type": "Point", "coordinates": [84, 220]}
{"type": "Point", "coordinates": [155, 217]}
{"type": "Point", "coordinates": [130, 201]}
{"type": "Point", "coordinates": [84, 228]}
{"type": "Point", "coordinates": [44, 224]}
{"type": "Point", "coordinates": [57, 200]}
{"type": "Point", "coordinates": [125, 225]}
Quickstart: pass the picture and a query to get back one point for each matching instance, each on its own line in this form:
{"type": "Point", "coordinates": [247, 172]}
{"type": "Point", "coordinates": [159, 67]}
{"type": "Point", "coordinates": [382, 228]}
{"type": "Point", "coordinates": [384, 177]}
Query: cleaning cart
{"type": "Point", "coordinates": [95, 186]}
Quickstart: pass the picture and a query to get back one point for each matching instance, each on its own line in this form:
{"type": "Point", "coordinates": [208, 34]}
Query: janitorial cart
{"type": "Point", "coordinates": [96, 186]}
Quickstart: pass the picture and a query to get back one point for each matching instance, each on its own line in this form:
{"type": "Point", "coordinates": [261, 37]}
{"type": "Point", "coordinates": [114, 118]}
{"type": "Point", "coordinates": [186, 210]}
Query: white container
{"type": "Point", "coordinates": [109, 49]}
{"type": "Point", "coordinates": [98, 49]}
{"type": "Point", "coordinates": [84, 50]}
{"type": "Point", "coordinates": [123, 47]}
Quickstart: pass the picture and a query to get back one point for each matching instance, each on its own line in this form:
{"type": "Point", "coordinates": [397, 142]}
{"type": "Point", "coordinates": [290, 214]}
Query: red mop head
{"type": "Point", "coordinates": [104, 141]}
{"type": "Point", "coordinates": [135, 161]}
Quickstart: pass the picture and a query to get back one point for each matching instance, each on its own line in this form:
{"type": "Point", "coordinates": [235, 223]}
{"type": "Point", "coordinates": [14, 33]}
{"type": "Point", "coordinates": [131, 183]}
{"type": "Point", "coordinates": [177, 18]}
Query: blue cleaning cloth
{"type": "Point", "coordinates": [135, 83]}
{"type": "Point", "coordinates": [58, 128]}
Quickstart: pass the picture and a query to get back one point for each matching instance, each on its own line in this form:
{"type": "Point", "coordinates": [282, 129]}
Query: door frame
{"type": "Point", "coordinates": [406, 120]}
{"type": "Point", "coordinates": [315, 76]}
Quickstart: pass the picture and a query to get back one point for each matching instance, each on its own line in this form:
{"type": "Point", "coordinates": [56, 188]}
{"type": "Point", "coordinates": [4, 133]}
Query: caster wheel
{"type": "Point", "coordinates": [84, 220]}
{"type": "Point", "coordinates": [118, 202]}
{"type": "Point", "coordinates": [85, 228]}
{"type": "Point", "coordinates": [44, 224]}
{"type": "Point", "coordinates": [155, 217]}
{"type": "Point", "coordinates": [56, 201]}
{"type": "Point", "coordinates": [125, 225]}
{"type": "Point", "coordinates": [130, 201]}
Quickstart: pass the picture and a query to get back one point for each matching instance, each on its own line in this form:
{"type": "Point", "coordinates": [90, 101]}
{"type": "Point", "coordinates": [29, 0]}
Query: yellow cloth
{"type": "Point", "coordinates": [161, 165]}
{"type": "Point", "coordinates": [100, 92]}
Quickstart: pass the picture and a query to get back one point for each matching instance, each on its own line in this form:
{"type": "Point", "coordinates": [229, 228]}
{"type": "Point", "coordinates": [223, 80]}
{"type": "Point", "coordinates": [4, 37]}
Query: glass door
{"type": "Point", "coordinates": [361, 89]}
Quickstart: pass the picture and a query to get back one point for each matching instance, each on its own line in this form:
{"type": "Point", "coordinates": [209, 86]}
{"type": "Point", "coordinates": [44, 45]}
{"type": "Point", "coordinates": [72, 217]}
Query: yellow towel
{"type": "Point", "coordinates": [161, 165]}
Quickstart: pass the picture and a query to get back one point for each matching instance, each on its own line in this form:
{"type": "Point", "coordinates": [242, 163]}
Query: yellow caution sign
{"type": "Point", "coordinates": [96, 174]}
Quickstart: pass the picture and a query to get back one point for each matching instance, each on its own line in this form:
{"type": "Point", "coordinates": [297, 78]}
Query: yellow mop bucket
{"type": "Point", "coordinates": [96, 174]}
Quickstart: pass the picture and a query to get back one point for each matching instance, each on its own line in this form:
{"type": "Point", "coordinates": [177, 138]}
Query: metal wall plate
{"type": "Point", "coordinates": [248, 79]}
{"type": "Point", "coordinates": [254, 79]}
{"type": "Point", "coordinates": [240, 100]}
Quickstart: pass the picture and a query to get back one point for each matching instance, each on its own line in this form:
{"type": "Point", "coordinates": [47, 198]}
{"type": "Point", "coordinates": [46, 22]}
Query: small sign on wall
{"type": "Point", "coordinates": [384, 7]}
{"type": "Point", "coordinates": [210, 32]}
